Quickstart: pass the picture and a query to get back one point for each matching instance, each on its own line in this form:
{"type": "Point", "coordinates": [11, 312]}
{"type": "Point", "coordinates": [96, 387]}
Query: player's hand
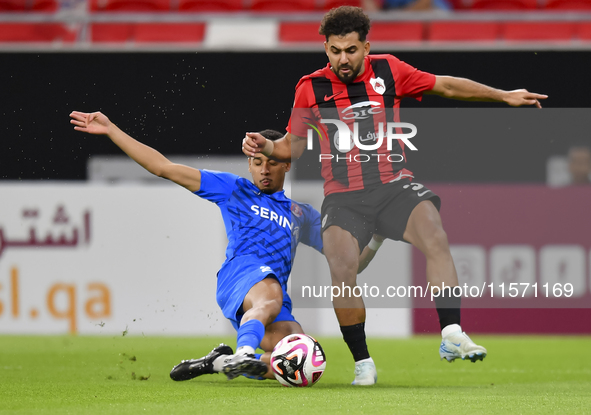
{"type": "Point", "coordinates": [520, 97]}
{"type": "Point", "coordinates": [253, 144]}
{"type": "Point", "coordinates": [92, 123]}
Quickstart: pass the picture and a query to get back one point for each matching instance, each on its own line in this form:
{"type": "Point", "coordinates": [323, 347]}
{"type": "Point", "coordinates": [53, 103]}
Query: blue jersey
{"type": "Point", "coordinates": [266, 226]}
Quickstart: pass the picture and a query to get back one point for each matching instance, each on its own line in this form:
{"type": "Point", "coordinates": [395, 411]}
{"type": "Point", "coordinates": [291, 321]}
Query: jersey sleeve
{"type": "Point", "coordinates": [216, 186]}
{"type": "Point", "coordinates": [301, 113]}
{"type": "Point", "coordinates": [311, 234]}
{"type": "Point", "coordinates": [409, 81]}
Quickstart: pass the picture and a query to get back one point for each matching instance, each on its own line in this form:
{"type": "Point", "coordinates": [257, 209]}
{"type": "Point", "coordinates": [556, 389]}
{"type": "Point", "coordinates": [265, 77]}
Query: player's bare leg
{"type": "Point", "coordinates": [263, 302]}
{"type": "Point", "coordinates": [273, 333]}
{"type": "Point", "coordinates": [261, 306]}
{"type": "Point", "coordinates": [425, 231]}
{"type": "Point", "coordinates": [342, 253]}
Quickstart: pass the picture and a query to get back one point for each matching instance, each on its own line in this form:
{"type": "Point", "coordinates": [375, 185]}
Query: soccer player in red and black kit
{"type": "Point", "coordinates": [368, 191]}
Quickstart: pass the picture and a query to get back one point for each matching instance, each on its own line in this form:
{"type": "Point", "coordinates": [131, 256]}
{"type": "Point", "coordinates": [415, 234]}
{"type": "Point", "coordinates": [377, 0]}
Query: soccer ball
{"type": "Point", "coordinates": [298, 360]}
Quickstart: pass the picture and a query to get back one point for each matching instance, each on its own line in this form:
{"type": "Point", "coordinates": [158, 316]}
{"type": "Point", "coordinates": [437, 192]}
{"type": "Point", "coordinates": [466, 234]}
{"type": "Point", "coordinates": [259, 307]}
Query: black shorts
{"type": "Point", "coordinates": [384, 209]}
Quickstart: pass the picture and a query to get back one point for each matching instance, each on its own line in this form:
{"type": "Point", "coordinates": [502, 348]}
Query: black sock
{"type": "Point", "coordinates": [354, 336]}
{"type": "Point", "coordinates": [448, 307]}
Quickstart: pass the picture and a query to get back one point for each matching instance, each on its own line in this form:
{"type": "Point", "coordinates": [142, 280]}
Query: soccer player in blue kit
{"type": "Point", "coordinates": [263, 227]}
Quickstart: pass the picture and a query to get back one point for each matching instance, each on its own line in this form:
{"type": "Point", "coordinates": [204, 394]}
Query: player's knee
{"type": "Point", "coordinates": [437, 243]}
{"type": "Point", "coordinates": [343, 277]}
{"type": "Point", "coordinates": [343, 267]}
{"type": "Point", "coordinates": [271, 309]}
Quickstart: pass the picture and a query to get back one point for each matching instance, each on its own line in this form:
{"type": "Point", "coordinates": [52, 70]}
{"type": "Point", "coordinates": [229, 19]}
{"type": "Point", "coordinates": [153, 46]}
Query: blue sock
{"type": "Point", "coordinates": [250, 334]}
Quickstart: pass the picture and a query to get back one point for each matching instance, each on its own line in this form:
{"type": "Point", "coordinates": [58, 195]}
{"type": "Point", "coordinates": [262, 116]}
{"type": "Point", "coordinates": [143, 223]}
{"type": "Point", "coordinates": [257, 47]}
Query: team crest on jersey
{"type": "Point", "coordinates": [296, 210]}
{"type": "Point", "coordinates": [378, 85]}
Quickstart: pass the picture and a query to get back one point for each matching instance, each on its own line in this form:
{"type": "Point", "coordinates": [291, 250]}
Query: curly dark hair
{"type": "Point", "coordinates": [344, 20]}
{"type": "Point", "coordinates": [271, 134]}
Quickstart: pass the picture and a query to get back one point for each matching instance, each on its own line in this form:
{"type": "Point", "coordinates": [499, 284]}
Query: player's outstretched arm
{"type": "Point", "coordinates": [369, 252]}
{"type": "Point", "coordinates": [467, 90]}
{"type": "Point", "coordinates": [150, 159]}
{"type": "Point", "coordinates": [283, 150]}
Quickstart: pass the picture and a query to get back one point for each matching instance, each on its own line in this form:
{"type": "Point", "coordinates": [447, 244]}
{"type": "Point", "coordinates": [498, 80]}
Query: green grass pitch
{"type": "Point", "coordinates": [129, 375]}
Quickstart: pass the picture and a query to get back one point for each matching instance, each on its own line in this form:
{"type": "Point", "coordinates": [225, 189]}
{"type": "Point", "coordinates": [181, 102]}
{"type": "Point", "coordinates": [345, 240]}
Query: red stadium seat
{"type": "Point", "coordinates": [504, 5]}
{"type": "Point", "coordinates": [111, 32]}
{"type": "Point", "coordinates": [532, 31]}
{"type": "Point", "coordinates": [282, 5]}
{"type": "Point", "coordinates": [568, 5]}
{"type": "Point", "coordinates": [13, 5]}
{"type": "Point", "coordinates": [29, 5]}
{"type": "Point", "coordinates": [300, 32]}
{"type": "Point", "coordinates": [584, 31]}
{"type": "Point", "coordinates": [458, 4]}
{"type": "Point", "coordinates": [464, 31]}
{"type": "Point", "coordinates": [130, 5]}
{"type": "Point", "coordinates": [330, 4]}
{"type": "Point", "coordinates": [36, 32]}
{"type": "Point", "coordinates": [210, 6]}
{"type": "Point", "coordinates": [147, 32]}
{"type": "Point", "coordinates": [396, 31]}
{"type": "Point", "coordinates": [169, 32]}
{"type": "Point", "coordinates": [44, 5]}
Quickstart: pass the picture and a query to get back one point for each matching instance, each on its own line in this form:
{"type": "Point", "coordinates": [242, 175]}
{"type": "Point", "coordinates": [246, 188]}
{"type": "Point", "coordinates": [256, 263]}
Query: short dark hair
{"type": "Point", "coordinates": [344, 20]}
{"type": "Point", "coordinates": [271, 134]}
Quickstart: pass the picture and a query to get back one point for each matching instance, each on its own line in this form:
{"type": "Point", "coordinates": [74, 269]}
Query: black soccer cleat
{"type": "Point", "coordinates": [244, 364]}
{"type": "Point", "coordinates": [189, 369]}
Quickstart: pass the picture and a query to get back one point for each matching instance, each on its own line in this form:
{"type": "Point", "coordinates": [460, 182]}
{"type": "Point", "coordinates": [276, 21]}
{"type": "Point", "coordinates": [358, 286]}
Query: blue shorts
{"type": "Point", "coordinates": [236, 278]}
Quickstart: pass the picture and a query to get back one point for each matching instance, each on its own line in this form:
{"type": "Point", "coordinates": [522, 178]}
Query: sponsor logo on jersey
{"type": "Point", "coordinates": [361, 110]}
{"type": "Point", "coordinates": [267, 213]}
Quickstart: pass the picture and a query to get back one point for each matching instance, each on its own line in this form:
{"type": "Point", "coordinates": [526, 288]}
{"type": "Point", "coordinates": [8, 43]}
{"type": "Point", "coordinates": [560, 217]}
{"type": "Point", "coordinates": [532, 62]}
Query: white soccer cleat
{"type": "Point", "coordinates": [458, 345]}
{"type": "Point", "coordinates": [365, 374]}
{"type": "Point", "coordinates": [244, 364]}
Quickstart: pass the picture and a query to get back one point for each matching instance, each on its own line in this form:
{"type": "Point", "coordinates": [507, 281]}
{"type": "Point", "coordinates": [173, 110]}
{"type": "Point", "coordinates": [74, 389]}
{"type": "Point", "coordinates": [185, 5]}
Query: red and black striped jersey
{"type": "Point", "coordinates": [373, 98]}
